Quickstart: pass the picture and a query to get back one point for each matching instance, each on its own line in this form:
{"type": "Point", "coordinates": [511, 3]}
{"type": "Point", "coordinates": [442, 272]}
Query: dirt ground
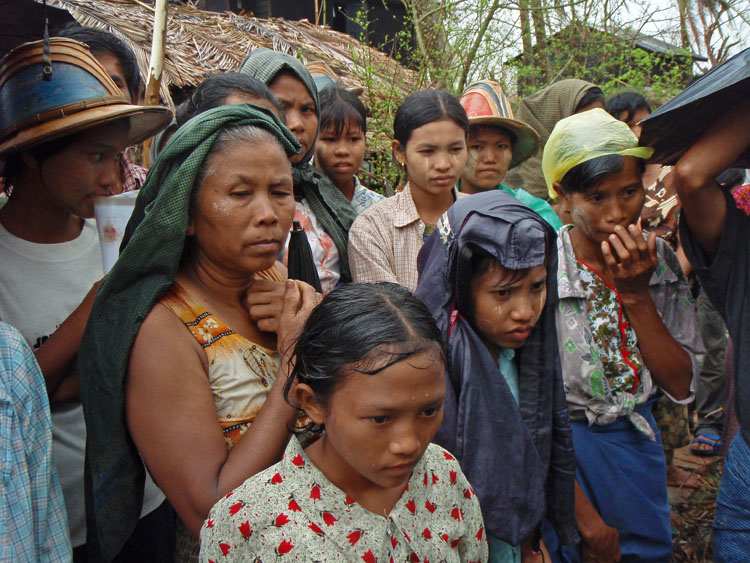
{"type": "Point", "coordinates": [693, 508]}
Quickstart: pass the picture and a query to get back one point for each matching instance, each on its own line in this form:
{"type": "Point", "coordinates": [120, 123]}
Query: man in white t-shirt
{"type": "Point", "coordinates": [49, 245]}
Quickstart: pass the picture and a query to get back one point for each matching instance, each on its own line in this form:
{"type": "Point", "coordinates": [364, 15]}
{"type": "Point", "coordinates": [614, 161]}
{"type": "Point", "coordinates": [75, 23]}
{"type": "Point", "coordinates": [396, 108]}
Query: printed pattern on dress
{"type": "Point", "coordinates": [292, 512]}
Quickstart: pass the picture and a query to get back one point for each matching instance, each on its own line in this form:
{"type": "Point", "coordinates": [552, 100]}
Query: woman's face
{"type": "Point", "coordinates": [507, 305]}
{"type": "Point", "coordinates": [435, 156]}
{"type": "Point", "coordinates": [299, 109]}
{"type": "Point", "coordinates": [378, 426]}
{"type": "Point", "coordinates": [244, 208]}
{"type": "Point", "coordinates": [616, 200]}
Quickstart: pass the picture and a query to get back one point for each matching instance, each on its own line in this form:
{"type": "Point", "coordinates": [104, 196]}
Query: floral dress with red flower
{"type": "Point", "coordinates": [292, 512]}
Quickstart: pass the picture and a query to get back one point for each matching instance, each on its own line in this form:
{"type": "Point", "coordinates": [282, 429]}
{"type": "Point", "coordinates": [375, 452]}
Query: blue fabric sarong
{"type": "Point", "coordinates": [732, 522]}
{"type": "Point", "coordinates": [623, 474]}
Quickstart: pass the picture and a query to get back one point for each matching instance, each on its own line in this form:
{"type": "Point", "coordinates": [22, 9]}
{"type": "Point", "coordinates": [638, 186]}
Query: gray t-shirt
{"type": "Point", "coordinates": [726, 281]}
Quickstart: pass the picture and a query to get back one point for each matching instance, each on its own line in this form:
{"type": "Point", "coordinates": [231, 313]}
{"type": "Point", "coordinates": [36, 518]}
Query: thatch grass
{"type": "Point", "coordinates": [200, 44]}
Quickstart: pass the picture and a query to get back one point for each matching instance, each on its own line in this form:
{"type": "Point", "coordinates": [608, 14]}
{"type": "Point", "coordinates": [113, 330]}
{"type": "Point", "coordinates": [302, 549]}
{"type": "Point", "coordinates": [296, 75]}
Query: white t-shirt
{"type": "Point", "coordinates": [40, 285]}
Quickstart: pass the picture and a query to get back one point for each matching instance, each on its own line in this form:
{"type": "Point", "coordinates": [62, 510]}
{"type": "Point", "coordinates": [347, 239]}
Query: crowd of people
{"type": "Point", "coordinates": [497, 367]}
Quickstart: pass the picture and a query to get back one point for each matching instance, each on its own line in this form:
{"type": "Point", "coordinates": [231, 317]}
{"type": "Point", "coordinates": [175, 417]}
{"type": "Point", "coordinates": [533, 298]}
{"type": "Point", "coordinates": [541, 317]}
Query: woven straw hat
{"type": "Point", "coordinates": [486, 104]}
{"type": "Point", "coordinates": [79, 95]}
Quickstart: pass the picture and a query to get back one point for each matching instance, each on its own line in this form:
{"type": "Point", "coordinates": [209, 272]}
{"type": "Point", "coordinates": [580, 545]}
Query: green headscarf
{"type": "Point", "coordinates": [331, 208]}
{"type": "Point", "coordinates": [542, 110]}
{"type": "Point", "coordinates": [149, 259]}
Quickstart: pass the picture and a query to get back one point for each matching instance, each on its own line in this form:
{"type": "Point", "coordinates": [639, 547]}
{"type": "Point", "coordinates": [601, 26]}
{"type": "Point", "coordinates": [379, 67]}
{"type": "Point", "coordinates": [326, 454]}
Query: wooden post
{"type": "Point", "coordinates": [156, 64]}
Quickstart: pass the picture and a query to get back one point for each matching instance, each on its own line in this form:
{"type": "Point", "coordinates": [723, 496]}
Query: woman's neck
{"type": "Point", "coordinates": [214, 283]}
{"type": "Point", "coordinates": [430, 206]}
{"type": "Point", "coordinates": [30, 216]}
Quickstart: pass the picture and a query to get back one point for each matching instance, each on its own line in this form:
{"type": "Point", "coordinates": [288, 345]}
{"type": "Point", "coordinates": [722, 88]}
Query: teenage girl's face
{"type": "Point", "coordinates": [616, 200]}
{"type": "Point", "coordinates": [340, 156]}
{"type": "Point", "coordinates": [435, 156]}
{"type": "Point", "coordinates": [507, 305]}
{"type": "Point", "coordinates": [378, 426]}
{"type": "Point", "coordinates": [299, 109]}
{"type": "Point", "coordinates": [490, 153]}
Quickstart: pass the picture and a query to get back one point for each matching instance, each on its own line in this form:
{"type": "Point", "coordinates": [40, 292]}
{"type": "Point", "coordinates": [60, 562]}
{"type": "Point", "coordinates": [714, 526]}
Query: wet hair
{"type": "Point", "coordinates": [423, 107]}
{"type": "Point", "coordinates": [592, 95]}
{"type": "Point", "coordinates": [102, 42]}
{"type": "Point", "coordinates": [214, 90]}
{"type": "Point", "coordinates": [629, 102]}
{"type": "Point", "coordinates": [589, 174]}
{"type": "Point", "coordinates": [338, 108]}
{"type": "Point", "coordinates": [360, 328]}
{"type": "Point", "coordinates": [731, 177]}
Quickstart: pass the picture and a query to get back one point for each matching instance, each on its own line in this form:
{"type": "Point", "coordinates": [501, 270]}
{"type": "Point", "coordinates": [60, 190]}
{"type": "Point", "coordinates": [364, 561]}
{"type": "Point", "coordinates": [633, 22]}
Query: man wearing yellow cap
{"type": "Point", "coordinates": [498, 142]}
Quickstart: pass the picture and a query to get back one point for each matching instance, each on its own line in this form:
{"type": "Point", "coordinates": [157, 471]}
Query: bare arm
{"type": "Point", "coordinates": [631, 261]}
{"type": "Point", "coordinates": [703, 204]}
{"type": "Point", "coordinates": [172, 418]}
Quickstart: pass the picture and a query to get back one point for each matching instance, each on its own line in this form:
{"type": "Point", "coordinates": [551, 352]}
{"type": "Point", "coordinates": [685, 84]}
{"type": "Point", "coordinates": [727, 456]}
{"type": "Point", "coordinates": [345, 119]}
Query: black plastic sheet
{"type": "Point", "coordinates": [679, 123]}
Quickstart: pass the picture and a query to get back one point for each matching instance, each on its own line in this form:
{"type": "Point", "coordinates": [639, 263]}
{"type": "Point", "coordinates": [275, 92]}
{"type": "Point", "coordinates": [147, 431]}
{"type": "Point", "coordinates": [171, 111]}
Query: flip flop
{"type": "Point", "coordinates": [708, 439]}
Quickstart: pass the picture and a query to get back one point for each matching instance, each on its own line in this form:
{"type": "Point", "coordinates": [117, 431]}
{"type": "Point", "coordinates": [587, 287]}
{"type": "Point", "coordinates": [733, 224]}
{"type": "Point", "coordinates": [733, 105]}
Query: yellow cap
{"type": "Point", "coordinates": [583, 137]}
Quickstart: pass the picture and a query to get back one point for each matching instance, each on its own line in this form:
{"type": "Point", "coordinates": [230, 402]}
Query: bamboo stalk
{"type": "Point", "coordinates": [156, 64]}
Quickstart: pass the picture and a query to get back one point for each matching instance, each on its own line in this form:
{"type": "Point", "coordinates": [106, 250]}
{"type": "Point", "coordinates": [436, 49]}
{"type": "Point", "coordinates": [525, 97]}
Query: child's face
{"type": "Point", "coordinates": [378, 426]}
{"type": "Point", "coordinates": [435, 156]}
{"type": "Point", "coordinates": [507, 305]}
{"type": "Point", "coordinates": [616, 200]}
{"type": "Point", "coordinates": [490, 153]}
{"type": "Point", "coordinates": [340, 156]}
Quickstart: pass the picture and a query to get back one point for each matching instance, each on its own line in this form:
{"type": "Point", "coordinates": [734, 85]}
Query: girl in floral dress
{"type": "Point", "coordinates": [369, 370]}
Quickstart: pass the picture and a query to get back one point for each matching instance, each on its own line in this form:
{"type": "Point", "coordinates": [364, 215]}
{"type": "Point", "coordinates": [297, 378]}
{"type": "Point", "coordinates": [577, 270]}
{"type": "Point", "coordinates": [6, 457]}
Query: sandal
{"type": "Point", "coordinates": [707, 439]}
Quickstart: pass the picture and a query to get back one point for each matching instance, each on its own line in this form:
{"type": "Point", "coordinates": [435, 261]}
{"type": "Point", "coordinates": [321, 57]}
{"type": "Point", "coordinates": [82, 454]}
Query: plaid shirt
{"type": "Point", "coordinates": [384, 241]}
{"type": "Point", "coordinates": [133, 176]}
{"type": "Point", "coordinates": [34, 525]}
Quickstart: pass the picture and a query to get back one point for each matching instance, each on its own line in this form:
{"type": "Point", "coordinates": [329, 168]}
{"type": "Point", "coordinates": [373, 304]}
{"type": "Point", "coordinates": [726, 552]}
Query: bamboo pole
{"type": "Point", "coordinates": [156, 64]}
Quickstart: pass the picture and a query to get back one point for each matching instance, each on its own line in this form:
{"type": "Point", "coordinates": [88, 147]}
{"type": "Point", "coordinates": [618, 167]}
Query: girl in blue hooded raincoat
{"type": "Point", "coordinates": [487, 276]}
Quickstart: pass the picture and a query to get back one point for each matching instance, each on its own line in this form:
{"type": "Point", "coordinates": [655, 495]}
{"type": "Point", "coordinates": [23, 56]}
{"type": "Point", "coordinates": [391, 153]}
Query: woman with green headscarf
{"type": "Point", "coordinates": [322, 210]}
{"type": "Point", "coordinates": [542, 110]}
{"type": "Point", "coordinates": [188, 380]}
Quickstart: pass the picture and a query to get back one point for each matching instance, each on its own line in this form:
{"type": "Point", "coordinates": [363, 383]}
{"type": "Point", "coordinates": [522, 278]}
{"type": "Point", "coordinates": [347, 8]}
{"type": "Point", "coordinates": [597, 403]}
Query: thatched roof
{"type": "Point", "coordinates": [203, 43]}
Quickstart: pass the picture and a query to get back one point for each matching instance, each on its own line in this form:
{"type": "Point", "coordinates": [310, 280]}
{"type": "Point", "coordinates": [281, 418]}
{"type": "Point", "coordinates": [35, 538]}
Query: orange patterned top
{"type": "Point", "coordinates": [240, 372]}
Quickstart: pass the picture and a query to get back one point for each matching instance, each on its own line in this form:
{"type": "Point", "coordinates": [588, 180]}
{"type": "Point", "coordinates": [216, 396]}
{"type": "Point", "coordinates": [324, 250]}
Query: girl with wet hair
{"type": "Point", "coordinates": [369, 370]}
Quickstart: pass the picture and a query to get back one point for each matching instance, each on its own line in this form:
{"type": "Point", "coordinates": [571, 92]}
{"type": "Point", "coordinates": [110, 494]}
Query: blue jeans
{"type": "Point", "coordinates": [732, 521]}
